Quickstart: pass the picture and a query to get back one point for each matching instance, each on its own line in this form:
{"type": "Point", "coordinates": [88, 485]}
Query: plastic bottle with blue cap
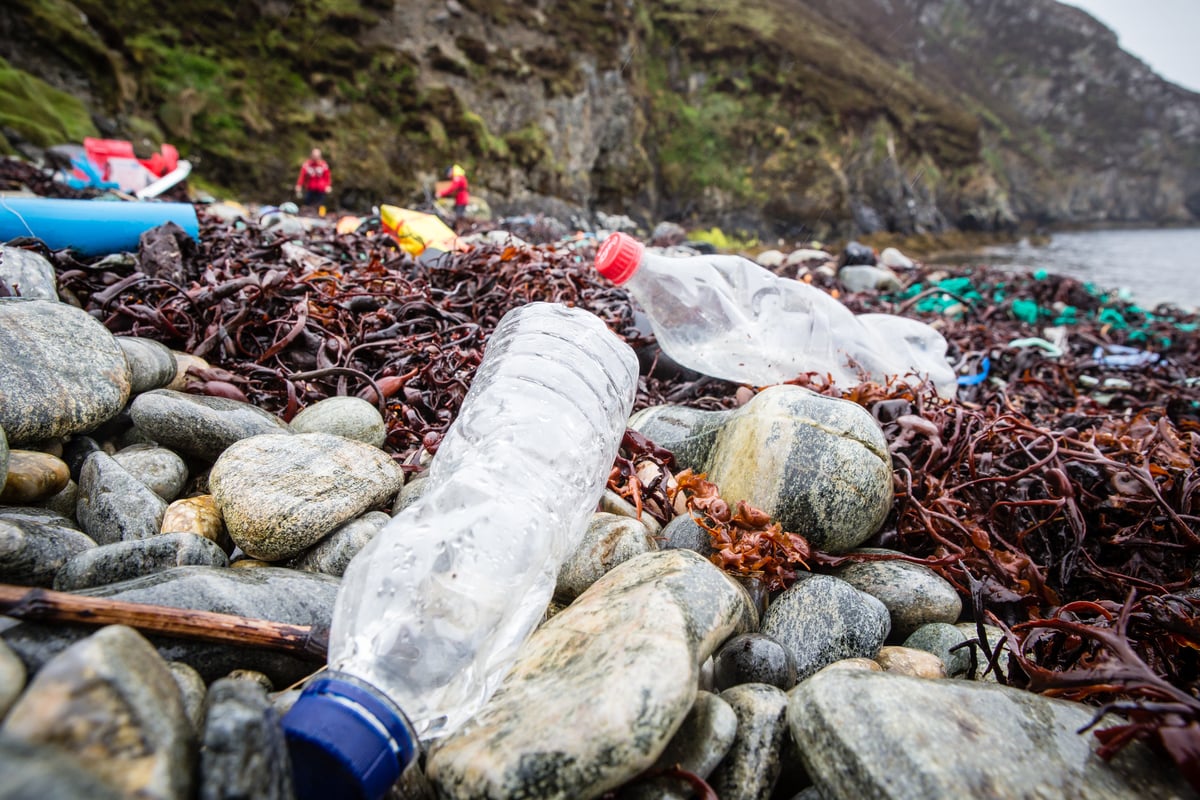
{"type": "Point", "coordinates": [727, 317]}
{"type": "Point", "coordinates": [432, 611]}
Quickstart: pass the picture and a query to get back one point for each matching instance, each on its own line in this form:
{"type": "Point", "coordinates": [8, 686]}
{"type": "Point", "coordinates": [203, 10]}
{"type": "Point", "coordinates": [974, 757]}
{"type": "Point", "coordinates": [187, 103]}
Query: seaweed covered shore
{"type": "Point", "coordinates": [1058, 493]}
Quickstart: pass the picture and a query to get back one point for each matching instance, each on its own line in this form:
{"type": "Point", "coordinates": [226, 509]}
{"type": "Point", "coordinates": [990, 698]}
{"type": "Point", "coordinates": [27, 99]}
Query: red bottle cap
{"type": "Point", "coordinates": [618, 257]}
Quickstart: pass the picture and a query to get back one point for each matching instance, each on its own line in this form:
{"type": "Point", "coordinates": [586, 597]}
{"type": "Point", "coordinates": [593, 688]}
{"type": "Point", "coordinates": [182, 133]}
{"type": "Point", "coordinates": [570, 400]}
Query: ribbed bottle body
{"type": "Point", "coordinates": [433, 610]}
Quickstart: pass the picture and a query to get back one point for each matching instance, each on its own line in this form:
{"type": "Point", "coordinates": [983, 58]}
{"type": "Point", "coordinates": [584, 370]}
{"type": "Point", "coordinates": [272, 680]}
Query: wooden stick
{"type": "Point", "coordinates": [43, 605]}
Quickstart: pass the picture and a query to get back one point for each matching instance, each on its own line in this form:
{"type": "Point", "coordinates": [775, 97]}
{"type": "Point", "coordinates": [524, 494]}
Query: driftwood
{"type": "Point", "coordinates": [43, 605]}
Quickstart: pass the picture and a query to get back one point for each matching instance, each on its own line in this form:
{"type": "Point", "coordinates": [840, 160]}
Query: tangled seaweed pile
{"type": "Point", "coordinates": [1059, 492]}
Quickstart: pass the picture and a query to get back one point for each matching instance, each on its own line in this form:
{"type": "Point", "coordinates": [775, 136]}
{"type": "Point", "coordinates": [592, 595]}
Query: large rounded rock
{"type": "Point", "coordinates": [618, 668]}
{"type": "Point", "coordinates": [199, 425]}
{"type": "Point", "coordinates": [111, 701]}
{"type": "Point", "coordinates": [879, 735]}
{"type": "Point", "coordinates": [819, 466]}
{"type": "Point", "coordinates": [63, 371]}
{"type": "Point", "coordinates": [281, 494]}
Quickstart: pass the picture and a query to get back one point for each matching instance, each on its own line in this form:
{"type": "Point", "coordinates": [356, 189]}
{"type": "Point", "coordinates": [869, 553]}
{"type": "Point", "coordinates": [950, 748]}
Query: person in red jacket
{"type": "Point", "coordinates": [458, 187]}
{"type": "Point", "coordinates": [314, 181]}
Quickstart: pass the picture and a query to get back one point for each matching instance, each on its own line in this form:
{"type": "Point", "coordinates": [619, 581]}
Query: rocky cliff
{"type": "Point", "coordinates": [778, 117]}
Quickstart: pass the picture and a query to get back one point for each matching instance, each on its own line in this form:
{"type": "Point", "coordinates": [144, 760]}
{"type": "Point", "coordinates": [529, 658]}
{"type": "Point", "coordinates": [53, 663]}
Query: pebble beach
{"type": "Point", "coordinates": [897, 594]}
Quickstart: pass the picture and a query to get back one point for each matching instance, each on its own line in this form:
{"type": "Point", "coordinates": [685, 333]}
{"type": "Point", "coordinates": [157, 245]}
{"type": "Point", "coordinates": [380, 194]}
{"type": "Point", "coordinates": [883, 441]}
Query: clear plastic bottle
{"type": "Point", "coordinates": [431, 612]}
{"type": "Point", "coordinates": [727, 317]}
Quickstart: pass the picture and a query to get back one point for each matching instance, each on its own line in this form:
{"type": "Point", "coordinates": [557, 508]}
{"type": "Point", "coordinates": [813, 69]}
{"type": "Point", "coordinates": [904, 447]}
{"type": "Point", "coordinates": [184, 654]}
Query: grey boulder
{"type": "Point", "coordinates": [63, 373]}
{"type": "Point", "coordinates": [875, 734]}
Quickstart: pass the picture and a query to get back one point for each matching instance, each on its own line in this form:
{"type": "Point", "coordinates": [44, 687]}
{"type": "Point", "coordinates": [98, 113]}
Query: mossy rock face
{"type": "Point", "coordinates": [38, 112]}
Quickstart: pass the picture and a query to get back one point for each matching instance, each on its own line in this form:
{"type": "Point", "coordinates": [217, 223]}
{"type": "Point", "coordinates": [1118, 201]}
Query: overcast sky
{"type": "Point", "coordinates": [1163, 33]}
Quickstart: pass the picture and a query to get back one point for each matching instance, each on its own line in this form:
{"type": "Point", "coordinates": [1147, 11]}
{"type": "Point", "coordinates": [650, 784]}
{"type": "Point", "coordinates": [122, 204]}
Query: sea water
{"type": "Point", "coordinates": [1155, 266]}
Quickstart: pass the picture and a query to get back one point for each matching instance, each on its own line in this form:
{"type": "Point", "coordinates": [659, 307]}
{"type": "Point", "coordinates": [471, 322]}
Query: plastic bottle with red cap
{"type": "Point", "coordinates": [431, 612]}
{"type": "Point", "coordinates": [730, 318]}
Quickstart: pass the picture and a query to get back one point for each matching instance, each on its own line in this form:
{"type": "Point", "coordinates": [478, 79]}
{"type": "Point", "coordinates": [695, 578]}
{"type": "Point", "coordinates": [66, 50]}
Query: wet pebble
{"type": "Point", "coordinates": [620, 662]}
{"type": "Point", "coordinates": [910, 661]}
{"type": "Point", "coordinates": [244, 754]}
{"type": "Point", "coordinates": [151, 363]}
{"type": "Point", "coordinates": [121, 561]}
{"type": "Point", "coordinates": [751, 767]}
{"type": "Point", "coordinates": [868, 664]}
{"type": "Point", "coordinates": [160, 469]}
{"type": "Point", "coordinates": [913, 593]}
{"type": "Point", "coordinates": [33, 477]}
{"type": "Point", "coordinates": [939, 638]}
{"type": "Point", "coordinates": [753, 658]}
{"type": "Point", "coordinates": [183, 363]}
{"type": "Point", "coordinates": [192, 691]}
{"type": "Point", "coordinates": [995, 638]}
{"type": "Point", "coordinates": [64, 502]}
{"type": "Point", "coordinates": [351, 417]}
{"type": "Point", "coordinates": [35, 543]}
{"type": "Point", "coordinates": [610, 540]}
{"type": "Point", "coordinates": [683, 532]}
{"type": "Point", "coordinates": [823, 619]}
{"type": "Point", "coordinates": [200, 425]}
{"type": "Point", "coordinates": [198, 515]}
{"type": "Point", "coordinates": [113, 505]}
{"type": "Point", "coordinates": [410, 493]}
{"type": "Point", "coordinates": [698, 746]}
{"type": "Point", "coordinates": [332, 554]}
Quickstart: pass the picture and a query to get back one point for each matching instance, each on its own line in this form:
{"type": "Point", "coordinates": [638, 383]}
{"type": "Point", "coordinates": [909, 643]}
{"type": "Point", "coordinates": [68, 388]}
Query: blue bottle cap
{"type": "Point", "coordinates": [346, 741]}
